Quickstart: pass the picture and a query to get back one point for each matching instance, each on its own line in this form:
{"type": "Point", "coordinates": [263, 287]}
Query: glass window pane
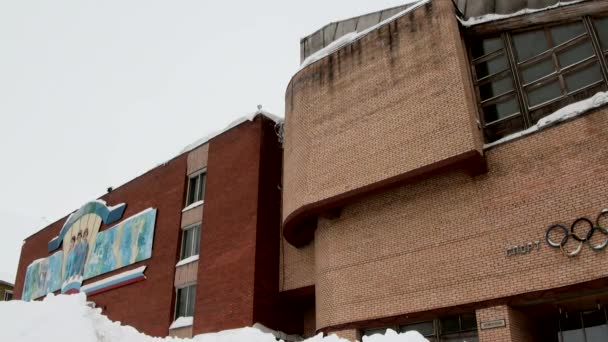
{"type": "Point", "coordinates": [500, 110]}
{"type": "Point", "coordinates": [424, 328]}
{"type": "Point", "coordinates": [187, 243]}
{"type": "Point", "coordinates": [582, 78]}
{"type": "Point", "coordinates": [495, 88]}
{"type": "Point", "coordinates": [601, 26]}
{"type": "Point", "coordinates": [597, 333]}
{"type": "Point", "coordinates": [196, 240]}
{"type": "Point", "coordinates": [545, 93]}
{"type": "Point", "coordinates": [190, 307]}
{"type": "Point", "coordinates": [192, 185]}
{"type": "Point", "coordinates": [538, 70]}
{"type": "Point", "coordinates": [182, 303]}
{"type": "Point", "coordinates": [486, 46]}
{"type": "Point", "coordinates": [575, 54]}
{"type": "Point", "coordinates": [450, 325]}
{"type": "Point", "coordinates": [530, 44]}
{"type": "Point", "coordinates": [492, 66]}
{"type": "Point", "coordinates": [370, 332]}
{"type": "Point", "coordinates": [564, 33]}
{"type": "Point", "coordinates": [201, 186]}
{"type": "Point", "coordinates": [468, 322]}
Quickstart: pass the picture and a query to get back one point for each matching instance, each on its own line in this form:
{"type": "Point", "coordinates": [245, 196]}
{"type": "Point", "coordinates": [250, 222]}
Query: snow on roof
{"type": "Point", "coordinates": [233, 124]}
{"type": "Point", "coordinates": [493, 16]}
{"type": "Point", "coordinates": [351, 37]}
{"type": "Point", "coordinates": [566, 113]}
{"type": "Point", "coordinates": [6, 283]}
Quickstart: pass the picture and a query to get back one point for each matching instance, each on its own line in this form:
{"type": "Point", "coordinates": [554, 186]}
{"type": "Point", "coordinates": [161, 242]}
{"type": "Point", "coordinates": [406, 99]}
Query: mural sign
{"type": "Point", "coordinates": [87, 252]}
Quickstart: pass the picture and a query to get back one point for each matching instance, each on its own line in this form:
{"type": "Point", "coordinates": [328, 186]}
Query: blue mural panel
{"type": "Point", "coordinates": [43, 276]}
{"type": "Point", "coordinates": [122, 245]}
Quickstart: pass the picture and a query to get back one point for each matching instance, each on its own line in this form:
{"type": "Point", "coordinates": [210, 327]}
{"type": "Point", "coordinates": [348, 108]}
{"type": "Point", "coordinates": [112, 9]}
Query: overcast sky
{"type": "Point", "coordinates": [94, 93]}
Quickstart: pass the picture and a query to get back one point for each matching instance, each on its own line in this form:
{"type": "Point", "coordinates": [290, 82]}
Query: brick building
{"type": "Point", "coordinates": [6, 291]}
{"type": "Point", "coordinates": [224, 192]}
{"type": "Point", "coordinates": [434, 176]}
{"type": "Point", "coordinates": [422, 172]}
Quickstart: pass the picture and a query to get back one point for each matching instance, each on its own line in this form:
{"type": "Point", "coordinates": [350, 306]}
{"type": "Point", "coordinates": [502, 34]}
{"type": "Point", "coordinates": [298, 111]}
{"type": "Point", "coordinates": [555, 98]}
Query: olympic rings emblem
{"type": "Point", "coordinates": [581, 239]}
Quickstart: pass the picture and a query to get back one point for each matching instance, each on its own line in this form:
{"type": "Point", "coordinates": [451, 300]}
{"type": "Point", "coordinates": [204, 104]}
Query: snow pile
{"type": "Point", "coordinates": [68, 318]}
{"type": "Point", "coordinates": [353, 36]}
{"type": "Point", "coordinates": [493, 17]}
{"type": "Point", "coordinates": [566, 113]}
{"type": "Point", "coordinates": [187, 261]}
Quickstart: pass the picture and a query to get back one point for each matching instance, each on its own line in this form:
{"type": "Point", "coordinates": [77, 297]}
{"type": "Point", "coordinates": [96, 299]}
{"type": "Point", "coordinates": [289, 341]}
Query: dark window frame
{"type": "Point", "coordinates": [190, 305]}
{"type": "Point", "coordinates": [526, 115]}
{"type": "Point", "coordinates": [200, 179]}
{"type": "Point", "coordinates": [194, 248]}
{"type": "Point", "coordinates": [438, 334]}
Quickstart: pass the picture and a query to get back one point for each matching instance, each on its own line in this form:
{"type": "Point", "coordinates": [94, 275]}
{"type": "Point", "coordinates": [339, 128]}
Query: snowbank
{"type": "Point", "coordinates": [566, 113]}
{"type": "Point", "coordinates": [493, 17]}
{"type": "Point", "coordinates": [67, 318]}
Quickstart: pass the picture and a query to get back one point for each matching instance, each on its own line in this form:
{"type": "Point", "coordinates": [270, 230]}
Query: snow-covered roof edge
{"type": "Point", "coordinates": [495, 17]}
{"type": "Point", "coordinates": [351, 37]}
{"type": "Point", "coordinates": [566, 113]}
{"type": "Point", "coordinates": [249, 117]}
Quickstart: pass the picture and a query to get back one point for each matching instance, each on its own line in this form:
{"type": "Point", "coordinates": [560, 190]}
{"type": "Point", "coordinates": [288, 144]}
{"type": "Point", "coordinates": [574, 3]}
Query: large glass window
{"type": "Point", "coordinates": [191, 240]}
{"type": "Point", "coordinates": [184, 306]}
{"type": "Point", "coordinates": [196, 188]}
{"type": "Point", "coordinates": [587, 326]}
{"type": "Point", "coordinates": [458, 328]}
{"type": "Point", "coordinates": [523, 75]}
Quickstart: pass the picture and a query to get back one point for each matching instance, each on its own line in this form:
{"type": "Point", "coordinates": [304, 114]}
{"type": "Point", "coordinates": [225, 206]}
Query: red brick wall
{"type": "Point", "coordinates": [238, 267]}
{"type": "Point", "coordinates": [146, 305]}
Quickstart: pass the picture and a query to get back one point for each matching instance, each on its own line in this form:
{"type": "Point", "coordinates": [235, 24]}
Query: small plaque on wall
{"type": "Point", "coordinates": [497, 323]}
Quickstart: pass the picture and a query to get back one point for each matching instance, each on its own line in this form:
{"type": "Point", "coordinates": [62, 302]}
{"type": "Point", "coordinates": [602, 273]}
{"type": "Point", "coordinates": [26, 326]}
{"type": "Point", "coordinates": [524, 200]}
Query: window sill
{"type": "Point", "coordinates": [193, 205]}
{"type": "Point", "coordinates": [181, 322]}
{"type": "Point", "coordinates": [567, 113]}
{"type": "Point", "coordinates": [187, 261]}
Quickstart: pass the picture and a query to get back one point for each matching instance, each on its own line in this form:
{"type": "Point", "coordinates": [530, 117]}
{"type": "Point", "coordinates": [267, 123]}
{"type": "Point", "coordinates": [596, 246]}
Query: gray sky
{"type": "Point", "coordinates": [94, 93]}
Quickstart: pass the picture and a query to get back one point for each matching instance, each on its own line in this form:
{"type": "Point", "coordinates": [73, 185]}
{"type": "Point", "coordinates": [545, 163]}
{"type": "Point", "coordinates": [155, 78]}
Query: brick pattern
{"type": "Point", "coordinates": [502, 334]}
{"type": "Point", "coordinates": [162, 188]}
{"type": "Point", "coordinates": [237, 281]}
{"type": "Point", "coordinates": [297, 268]}
{"type": "Point", "coordinates": [197, 159]}
{"type": "Point", "coordinates": [392, 102]}
{"type": "Point", "coordinates": [348, 334]}
{"type": "Point", "coordinates": [442, 242]}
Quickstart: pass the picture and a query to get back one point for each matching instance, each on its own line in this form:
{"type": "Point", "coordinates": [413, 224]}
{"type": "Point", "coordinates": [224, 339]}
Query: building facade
{"type": "Point", "coordinates": [429, 183]}
{"type": "Point", "coordinates": [200, 223]}
{"type": "Point", "coordinates": [6, 291]}
{"type": "Point", "coordinates": [443, 169]}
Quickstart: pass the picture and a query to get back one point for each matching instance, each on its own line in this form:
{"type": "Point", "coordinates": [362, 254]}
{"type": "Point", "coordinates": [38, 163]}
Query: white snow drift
{"type": "Point", "coordinates": [68, 319]}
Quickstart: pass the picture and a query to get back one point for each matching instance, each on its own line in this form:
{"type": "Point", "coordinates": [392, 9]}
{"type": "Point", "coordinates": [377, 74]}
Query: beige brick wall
{"type": "Point", "coordinates": [347, 334]}
{"type": "Point", "coordinates": [516, 327]}
{"type": "Point", "coordinates": [297, 267]}
{"type": "Point", "coordinates": [442, 242]}
{"type": "Point", "coordinates": [395, 101]}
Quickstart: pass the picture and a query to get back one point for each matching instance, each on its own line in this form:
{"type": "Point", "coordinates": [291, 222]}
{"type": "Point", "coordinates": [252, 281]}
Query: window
{"type": "Point", "coordinates": [191, 238]}
{"type": "Point", "coordinates": [184, 303]}
{"type": "Point", "coordinates": [196, 188]}
{"type": "Point", "coordinates": [457, 328]}
{"type": "Point", "coordinates": [522, 76]}
{"type": "Point", "coordinates": [8, 295]}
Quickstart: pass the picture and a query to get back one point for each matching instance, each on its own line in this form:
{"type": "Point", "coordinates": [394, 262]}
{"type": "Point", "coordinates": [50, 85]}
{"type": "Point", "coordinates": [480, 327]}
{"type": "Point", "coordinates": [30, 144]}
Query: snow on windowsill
{"type": "Point", "coordinates": [193, 205]}
{"type": "Point", "coordinates": [563, 114]}
{"type": "Point", "coordinates": [354, 36]}
{"type": "Point", "coordinates": [493, 17]}
{"type": "Point", "coordinates": [182, 322]}
{"type": "Point", "coordinates": [187, 261]}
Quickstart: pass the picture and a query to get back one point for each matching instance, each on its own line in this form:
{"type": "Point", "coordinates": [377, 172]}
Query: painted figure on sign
{"type": "Point", "coordinates": [69, 264]}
